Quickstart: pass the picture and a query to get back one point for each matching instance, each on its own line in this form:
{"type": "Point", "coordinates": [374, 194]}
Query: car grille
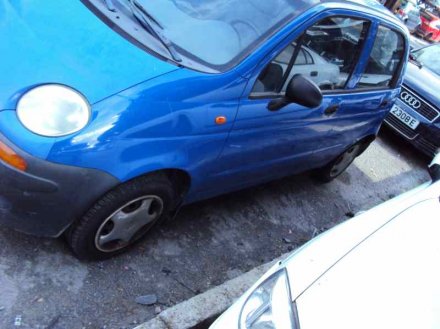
{"type": "Point", "coordinates": [425, 146]}
{"type": "Point", "coordinates": [425, 109]}
{"type": "Point", "coordinates": [400, 126]}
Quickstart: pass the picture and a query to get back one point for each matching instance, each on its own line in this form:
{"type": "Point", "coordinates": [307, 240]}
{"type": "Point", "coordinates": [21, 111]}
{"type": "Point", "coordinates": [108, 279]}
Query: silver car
{"type": "Point", "coordinates": [378, 270]}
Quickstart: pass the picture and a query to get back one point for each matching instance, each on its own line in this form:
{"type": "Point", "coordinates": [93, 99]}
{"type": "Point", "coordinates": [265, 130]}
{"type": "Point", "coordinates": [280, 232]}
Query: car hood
{"type": "Point", "coordinates": [312, 260]}
{"type": "Point", "coordinates": [64, 42]}
{"type": "Point", "coordinates": [424, 82]}
{"type": "Point", "coordinates": [388, 281]}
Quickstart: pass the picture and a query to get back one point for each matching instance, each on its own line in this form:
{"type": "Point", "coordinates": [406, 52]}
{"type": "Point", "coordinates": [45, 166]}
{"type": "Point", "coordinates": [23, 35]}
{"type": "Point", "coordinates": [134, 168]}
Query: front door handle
{"type": "Point", "coordinates": [331, 109]}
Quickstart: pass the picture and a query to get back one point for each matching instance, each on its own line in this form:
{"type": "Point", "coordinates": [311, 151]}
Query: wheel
{"type": "Point", "coordinates": [122, 217]}
{"type": "Point", "coordinates": [338, 166]}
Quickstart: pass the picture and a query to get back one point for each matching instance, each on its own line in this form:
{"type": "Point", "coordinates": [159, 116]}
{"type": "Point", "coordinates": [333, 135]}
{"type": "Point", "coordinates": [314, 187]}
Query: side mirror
{"type": "Point", "coordinates": [300, 90]}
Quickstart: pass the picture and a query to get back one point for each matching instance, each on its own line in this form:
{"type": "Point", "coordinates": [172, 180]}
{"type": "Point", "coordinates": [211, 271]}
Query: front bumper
{"type": "Point", "coordinates": [48, 197]}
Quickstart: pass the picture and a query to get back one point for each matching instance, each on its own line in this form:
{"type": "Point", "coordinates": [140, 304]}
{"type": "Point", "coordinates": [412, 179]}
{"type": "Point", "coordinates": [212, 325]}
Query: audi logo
{"type": "Point", "coordinates": [410, 100]}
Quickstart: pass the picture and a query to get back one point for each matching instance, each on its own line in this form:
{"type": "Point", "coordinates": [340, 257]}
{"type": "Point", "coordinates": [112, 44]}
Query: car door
{"type": "Point", "coordinates": [264, 145]}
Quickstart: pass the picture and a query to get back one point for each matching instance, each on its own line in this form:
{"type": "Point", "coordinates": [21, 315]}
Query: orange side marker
{"type": "Point", "coordinates": [221, 120]}
{"type": "Point", "coordinates": [10, 157]}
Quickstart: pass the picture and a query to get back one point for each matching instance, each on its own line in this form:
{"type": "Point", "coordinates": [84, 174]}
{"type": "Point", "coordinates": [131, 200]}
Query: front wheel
{"type": "Point", "coordinates": [338, 166]}
{"type": "Point", "coordinates": [122, 217]}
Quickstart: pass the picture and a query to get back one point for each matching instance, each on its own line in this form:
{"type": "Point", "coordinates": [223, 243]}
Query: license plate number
{"type": "Point", "coordinates": [405, 117]}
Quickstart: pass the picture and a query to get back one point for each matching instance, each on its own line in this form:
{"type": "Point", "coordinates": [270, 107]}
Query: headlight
{"type": "Point", "coordinates": [269, 306]}
{"type": "Point", "coordinates": [53, 110]}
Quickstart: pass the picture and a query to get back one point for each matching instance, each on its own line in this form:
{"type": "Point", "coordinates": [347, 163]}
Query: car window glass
{"type": "Point", "coordinates": [301, 58]}
{"type": "Point", "coordinates": [218, 32]}
{"type": "Point", "coordinates": [429, 57]}
{"type": "Point", "coordinates": [385, 59]}
{"type": "Point", "coordinates": [308, 57]}
{"type": "Point", "coordinates": [326, 54]}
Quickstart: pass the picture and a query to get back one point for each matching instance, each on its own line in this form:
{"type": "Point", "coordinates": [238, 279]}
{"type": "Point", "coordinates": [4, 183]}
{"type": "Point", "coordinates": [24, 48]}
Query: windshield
{"type": "Point", "coordinates": [218, 32]}
{"type": "Point", "coordinates": [429, 57]}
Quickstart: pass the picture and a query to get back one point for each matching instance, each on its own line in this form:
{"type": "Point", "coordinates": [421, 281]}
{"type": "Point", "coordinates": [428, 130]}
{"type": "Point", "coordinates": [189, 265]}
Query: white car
{"type": "Point", "coordinates": [380, 269]}
{"type": "Point", "coordinates": [310, 64]}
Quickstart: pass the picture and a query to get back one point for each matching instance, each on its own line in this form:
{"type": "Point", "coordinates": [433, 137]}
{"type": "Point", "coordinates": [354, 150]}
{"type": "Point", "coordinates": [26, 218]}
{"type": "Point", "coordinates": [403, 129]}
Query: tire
{"type": "Point", "coordinates": [122, 217]}
{"type": "Point", "coordinates": [340, 164]}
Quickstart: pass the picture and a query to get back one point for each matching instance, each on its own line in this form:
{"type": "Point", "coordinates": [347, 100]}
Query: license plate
{"type": "Point", "coordinates": [405, 117]}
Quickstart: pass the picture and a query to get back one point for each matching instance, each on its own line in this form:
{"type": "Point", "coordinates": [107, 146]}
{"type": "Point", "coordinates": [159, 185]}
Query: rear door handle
{"type": "Point", "coordinates": [385, 103]}
{"type": "Point", "coordinates": [314, 73]}
{"type": "Point", "coordinates": [331, 109]}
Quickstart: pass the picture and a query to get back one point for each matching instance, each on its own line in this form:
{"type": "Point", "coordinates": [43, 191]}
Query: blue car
{"type": "Point", "coordinates": [117, 113]}
{"type": "Point", "coordinates": [416, 114]}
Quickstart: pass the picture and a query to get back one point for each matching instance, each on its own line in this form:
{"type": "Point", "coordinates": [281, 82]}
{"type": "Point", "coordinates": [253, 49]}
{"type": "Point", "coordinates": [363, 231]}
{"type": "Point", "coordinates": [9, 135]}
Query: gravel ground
{"type": "Point", "coordinates": [43, 286]}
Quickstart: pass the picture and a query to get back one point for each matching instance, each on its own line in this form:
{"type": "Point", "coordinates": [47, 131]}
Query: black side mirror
{"type": "Point", "coordinates": [300, 90]}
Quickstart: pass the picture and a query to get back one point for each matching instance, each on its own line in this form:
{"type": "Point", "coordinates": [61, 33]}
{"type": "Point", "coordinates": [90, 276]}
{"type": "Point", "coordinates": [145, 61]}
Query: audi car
{"type": "Point", "coordinates": [416, 114]}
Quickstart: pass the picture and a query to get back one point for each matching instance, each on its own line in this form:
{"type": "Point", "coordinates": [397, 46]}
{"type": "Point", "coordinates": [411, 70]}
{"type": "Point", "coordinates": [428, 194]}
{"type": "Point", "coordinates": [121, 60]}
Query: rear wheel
{"type": "Point", "coordinates": [122, 217]}
{"type": "Point", "coordinates": [340, 164]}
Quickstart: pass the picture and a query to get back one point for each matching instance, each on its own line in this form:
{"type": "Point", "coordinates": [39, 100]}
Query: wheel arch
{"type": "Point", "coordinates": [180, 178]}
{"type": "Point", "coordinates": [366, 141]}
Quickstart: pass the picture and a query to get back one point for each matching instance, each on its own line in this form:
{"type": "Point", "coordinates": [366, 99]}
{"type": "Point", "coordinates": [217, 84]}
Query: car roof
{"type": "Point", "coordinates": [371, 4]}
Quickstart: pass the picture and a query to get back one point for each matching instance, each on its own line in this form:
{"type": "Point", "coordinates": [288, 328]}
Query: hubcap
{"type": "Point", "coordinates": [344, 161]}
{"type": "Point", "coordinates": [128, 223]}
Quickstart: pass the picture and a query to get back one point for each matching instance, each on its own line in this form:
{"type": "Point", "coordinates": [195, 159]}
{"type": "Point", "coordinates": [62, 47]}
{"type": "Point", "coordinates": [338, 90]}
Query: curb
{"type": "Point", "coordinates": [200, 311]}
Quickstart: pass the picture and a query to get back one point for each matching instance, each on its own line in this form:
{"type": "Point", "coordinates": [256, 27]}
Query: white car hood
{"type": "Point", "coordinates": [309, 262]}
{"type": "Point", "coordinates": [390, 280]}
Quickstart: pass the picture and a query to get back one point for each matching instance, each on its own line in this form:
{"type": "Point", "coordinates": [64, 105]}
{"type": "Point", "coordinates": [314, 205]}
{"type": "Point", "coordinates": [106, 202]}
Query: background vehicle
{"type": "Point", "coordinates": [409, 13]}
{"type": "Point", "coordinates": [429, 29]}
{"type": "Point", "coordinates": [309, 64]}
{"type": "Point", "coordinates": [149, 105]}
{"type": "Point", "coordinates": [353, 275]}
{"type": "Point", "coordinates": [416, 114]}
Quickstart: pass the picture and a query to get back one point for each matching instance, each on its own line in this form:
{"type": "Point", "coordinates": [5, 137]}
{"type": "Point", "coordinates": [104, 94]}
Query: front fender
{"type": "Point", "coordinates": [165, 123]}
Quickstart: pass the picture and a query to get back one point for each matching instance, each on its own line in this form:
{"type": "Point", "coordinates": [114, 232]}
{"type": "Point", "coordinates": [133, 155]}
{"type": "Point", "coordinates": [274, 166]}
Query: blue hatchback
{"type": "Point", "coordinates": [114, 113]}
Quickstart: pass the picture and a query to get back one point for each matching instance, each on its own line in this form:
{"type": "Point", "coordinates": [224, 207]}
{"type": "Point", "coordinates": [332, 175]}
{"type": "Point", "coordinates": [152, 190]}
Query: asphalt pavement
{"type": "Point", "coordinates": [43, 286]}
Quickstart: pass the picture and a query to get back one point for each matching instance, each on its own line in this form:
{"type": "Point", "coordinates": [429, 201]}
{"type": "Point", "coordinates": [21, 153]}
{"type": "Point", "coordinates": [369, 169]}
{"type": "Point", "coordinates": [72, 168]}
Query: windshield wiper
{"type": "Point", "coordinates": [153, 27]}
{"type": "Point", "coordinates": [414, 59]}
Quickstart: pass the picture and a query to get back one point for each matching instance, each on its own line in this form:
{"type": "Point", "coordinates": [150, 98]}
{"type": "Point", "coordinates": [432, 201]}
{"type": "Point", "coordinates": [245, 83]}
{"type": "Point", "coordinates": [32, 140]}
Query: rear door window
{"type": "Point", "coordinates": [385, 62]}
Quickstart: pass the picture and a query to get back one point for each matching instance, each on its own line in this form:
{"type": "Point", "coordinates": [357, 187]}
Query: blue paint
{"type": "Point", "coordinates": [149, 115]}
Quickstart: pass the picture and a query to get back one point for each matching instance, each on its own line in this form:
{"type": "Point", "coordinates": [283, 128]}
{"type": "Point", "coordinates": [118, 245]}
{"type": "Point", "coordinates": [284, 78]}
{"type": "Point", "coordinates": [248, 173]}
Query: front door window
{"type": "Point", "coordinates": [326, 53]}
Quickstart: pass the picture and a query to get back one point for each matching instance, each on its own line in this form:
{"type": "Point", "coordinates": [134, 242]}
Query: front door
{"type": "Point", "coordinates": [265, 144]}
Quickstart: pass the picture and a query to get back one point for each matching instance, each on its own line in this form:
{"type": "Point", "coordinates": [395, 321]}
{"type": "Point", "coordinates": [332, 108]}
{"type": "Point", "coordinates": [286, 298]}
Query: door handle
{"type": "Point", "coordinates": [385, 103]}
{"type": "Point", "coordinates": [314, 73]}
{"type": "Point", "coordinates": [331, 109]}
